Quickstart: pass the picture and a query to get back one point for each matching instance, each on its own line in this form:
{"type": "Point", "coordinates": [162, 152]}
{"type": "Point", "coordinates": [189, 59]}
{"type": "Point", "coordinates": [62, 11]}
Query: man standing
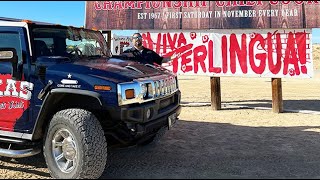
{"type": "Point", "coordinates": [141, 53]}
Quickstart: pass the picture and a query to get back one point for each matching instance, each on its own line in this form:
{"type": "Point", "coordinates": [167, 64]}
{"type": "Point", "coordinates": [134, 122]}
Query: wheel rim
{"type": "Point", "coordinates": [64, 150]}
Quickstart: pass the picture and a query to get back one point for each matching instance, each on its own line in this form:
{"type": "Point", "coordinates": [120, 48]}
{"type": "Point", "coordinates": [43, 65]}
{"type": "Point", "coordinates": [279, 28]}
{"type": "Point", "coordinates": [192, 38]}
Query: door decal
{"type": "Point", "coordinates": [14, 100]}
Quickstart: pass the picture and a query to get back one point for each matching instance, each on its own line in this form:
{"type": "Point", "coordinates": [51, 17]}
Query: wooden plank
{"type": "Point", "coordinates": [109, 39]}
{"type": "Point", "coordinates": [142, 23]}
{"type": "Point", "coordinates": [172, 22]}
{"type": "Point", "coordinates": [225, 22]}
{"type": "Point", "coordinates": [91, 14]}
{"type": "Point", "coordinates": [277, 103]}
{"type": "Point", "coordinates": [128, 18]}
{"type": "Point", "coordinates": [261, 22]}
{"type": "Point", "coordinates": [287, 21]}
{"type": "Point", "coordinates": [95, 18]}
{"type": "Point", "coordinates": [119, 19]}
{"type": "Point", "coordinates": [195, 23]}
{"type": "Point", "coordinates": [218, 22]}
{"type": "Point", "coordinates": [312, 16]}
{"type": "Point", "coordinates": [89, 11]}
{"type": "Point", "coordinates": [215, 93]}
{"type": "Point", "coordinates": [100, 20]}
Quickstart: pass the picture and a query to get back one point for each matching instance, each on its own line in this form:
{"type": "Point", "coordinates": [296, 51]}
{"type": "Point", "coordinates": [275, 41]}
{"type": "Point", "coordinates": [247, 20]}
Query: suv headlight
{"type": "Point", "coordinates": [146, 90]}
{"type": "Point", "coordinates": [133, 92]}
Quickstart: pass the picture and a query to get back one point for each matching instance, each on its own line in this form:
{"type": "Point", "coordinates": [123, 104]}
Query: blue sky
{"type": "Point", "coordinates": [65, 13]}
{"type": "Point", "coordinates": [60, 12]}
{"type": "Point", "coordinates": [316, 35]}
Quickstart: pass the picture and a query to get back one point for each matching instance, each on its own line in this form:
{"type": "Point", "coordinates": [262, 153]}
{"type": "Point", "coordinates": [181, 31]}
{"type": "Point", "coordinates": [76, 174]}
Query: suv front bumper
{"type": "Point", "coordinates": [146, 119]}
{"type": "Point", "coordinates": [151, 111]}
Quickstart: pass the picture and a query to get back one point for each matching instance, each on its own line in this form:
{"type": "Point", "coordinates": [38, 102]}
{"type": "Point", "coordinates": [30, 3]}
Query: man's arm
{"type": "Point", "coordinates": [153, 57]}
{"type": "Point", "coordinates": [157, 58]}
{"type": "Point", "coordinates": [127, 54]}
{"type": "Point", "coordinates": [133, 54]}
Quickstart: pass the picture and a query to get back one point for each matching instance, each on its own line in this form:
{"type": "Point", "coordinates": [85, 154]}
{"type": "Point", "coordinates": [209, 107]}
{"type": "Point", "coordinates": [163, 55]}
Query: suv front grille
{"type": "Point", "coordinates": [148, 89]}
{"type": "Point", "coordinates": [163, 87]}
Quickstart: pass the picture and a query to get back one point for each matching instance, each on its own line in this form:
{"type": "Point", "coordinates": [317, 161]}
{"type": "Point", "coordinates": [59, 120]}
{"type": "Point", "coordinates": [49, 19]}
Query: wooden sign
{"type": "Point", "coordinates": [192, 15]}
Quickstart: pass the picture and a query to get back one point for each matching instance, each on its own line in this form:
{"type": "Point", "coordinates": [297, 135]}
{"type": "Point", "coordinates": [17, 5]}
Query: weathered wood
{"type": "Point", "coordinates": [142, 23]}
{"type": "Point", "coordinates": [277, 103]}
{"type": "Point", "coordinates": [195, 23]}
{"type": "Point", "coordinates": [167, 23]}
{"type": "Point", "coordinates": [312, 16]}
{"type": "Point", "coordinates": [101, 18]}
{"type": "Point", "coordinates": [118, 19]}
{"type": "Point", "coordinates": [224, 22]}
{"type": "Point", "coordinates": [215, 93]}
{"type": "Point", "coordinates": [109, 39]}
{"type": "Point", "coordinates": [284, 22]}
{"type": "Point", "coordinates": [260, 22]}
{"type": "Point", "coordinates": [89, 13]}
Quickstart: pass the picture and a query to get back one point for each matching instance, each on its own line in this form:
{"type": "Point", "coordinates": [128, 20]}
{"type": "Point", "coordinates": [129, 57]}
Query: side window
{"type": "Point", "coordinates": [87, 47]}
{"type": "Point", "coordinates": [10, 40]}
{"type": "Point", "coordinates": [49, 43]}
{"type": "Point", "coordinates": [43, 46]}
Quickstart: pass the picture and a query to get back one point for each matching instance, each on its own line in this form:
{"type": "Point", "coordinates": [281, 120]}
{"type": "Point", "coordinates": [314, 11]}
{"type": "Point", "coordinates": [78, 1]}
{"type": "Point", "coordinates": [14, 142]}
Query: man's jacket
{"type": "Point", "coordinates": [147, 56]}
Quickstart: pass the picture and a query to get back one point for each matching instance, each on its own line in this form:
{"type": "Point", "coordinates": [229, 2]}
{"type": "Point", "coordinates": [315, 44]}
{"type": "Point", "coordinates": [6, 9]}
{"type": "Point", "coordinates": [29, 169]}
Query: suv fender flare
{"type": "Point", "coordinates": [48, 103]}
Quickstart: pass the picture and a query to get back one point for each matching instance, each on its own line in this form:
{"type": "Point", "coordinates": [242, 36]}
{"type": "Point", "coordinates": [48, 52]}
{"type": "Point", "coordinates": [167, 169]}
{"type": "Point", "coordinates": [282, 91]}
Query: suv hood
{"type": "Point", "coordinates": [113, 69]}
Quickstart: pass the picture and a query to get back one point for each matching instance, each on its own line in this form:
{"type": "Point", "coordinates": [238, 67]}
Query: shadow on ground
{"type": "Point", "coordinates": [33, 162]}
{"type": "Point", "coordinates": [195, 150]}
{"type": "Point", "coordinates": [309, 105]}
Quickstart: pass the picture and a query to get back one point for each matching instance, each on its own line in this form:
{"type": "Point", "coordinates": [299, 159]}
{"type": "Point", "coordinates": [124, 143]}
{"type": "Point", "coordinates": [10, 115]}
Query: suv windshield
{"type": "Point", "coordinates": [74, 43]}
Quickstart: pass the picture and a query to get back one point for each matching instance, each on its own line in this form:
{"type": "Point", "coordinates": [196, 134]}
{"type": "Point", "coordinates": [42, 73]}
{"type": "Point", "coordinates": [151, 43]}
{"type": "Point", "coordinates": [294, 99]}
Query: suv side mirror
{"type": "Point", "coordinates": [10, 55]}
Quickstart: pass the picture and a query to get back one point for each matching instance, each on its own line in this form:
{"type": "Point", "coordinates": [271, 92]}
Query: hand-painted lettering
{"type": "Point", "coordinates": [277, 53]}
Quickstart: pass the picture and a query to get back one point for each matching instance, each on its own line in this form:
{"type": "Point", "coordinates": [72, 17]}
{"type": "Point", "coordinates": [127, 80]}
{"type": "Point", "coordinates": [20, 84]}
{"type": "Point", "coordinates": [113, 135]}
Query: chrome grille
{"type": "Point", "coordinates": [163, 87]}
{"type": "Point", "coordinates": [157, 87]}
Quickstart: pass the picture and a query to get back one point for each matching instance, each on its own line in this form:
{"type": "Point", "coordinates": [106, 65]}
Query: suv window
{"type": "Point", "coordinates": [11, 40]}
{"type": "Point", "coordinates": [49, 43]}
{"type": "Point", "coordinates": [75, 43]}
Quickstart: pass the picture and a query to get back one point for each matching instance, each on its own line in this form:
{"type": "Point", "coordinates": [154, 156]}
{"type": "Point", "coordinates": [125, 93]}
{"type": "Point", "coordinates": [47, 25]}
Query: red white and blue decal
{"type": "Point", "coordinates": [14, 100]}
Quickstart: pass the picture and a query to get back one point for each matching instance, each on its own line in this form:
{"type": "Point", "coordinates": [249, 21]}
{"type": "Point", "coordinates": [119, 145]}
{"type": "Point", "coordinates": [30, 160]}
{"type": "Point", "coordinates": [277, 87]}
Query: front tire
{"type": "Point", "coordinates": [75, 146]}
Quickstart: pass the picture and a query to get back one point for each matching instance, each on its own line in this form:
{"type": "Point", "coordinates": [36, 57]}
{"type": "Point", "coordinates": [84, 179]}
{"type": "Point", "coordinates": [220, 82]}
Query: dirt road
{"type": "Point", "coordinates": [235, 142]}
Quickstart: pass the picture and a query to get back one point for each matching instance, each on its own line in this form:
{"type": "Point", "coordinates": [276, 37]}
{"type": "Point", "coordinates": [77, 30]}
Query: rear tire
{"type": "Point", "coordinates": [75, 145]}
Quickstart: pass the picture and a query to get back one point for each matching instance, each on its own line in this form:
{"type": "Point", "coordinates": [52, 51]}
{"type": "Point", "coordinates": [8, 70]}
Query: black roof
{"type": "Point", "coordinates": [19, 20]}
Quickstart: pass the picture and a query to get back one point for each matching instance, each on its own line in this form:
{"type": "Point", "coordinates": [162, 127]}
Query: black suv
{"type": "Point", "coordinates": [63, 94]}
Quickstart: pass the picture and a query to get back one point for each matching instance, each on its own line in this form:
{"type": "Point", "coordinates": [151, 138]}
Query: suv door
{"type": "Point", "coordinates": [15, 93]}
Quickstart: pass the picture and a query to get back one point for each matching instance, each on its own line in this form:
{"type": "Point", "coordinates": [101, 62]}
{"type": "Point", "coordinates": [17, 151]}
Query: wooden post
{"type": "Point", "coordinates": [109, 39]}
{"type": "Point", "coordinates": [215, 93]}
{"type": "Point", "coordinates": [277, 103]}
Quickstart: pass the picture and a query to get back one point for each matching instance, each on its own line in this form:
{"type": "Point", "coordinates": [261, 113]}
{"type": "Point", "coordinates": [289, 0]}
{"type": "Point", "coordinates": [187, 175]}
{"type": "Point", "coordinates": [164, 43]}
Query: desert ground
{"type": "Point", "coordinates": [243, 140]}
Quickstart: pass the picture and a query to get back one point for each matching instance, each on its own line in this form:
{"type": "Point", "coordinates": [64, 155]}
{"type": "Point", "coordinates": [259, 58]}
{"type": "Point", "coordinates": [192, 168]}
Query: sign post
{"type": "Point", "coordinates": [277, 103]}
{"type": "Point", "coordinates": [215, 93]}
